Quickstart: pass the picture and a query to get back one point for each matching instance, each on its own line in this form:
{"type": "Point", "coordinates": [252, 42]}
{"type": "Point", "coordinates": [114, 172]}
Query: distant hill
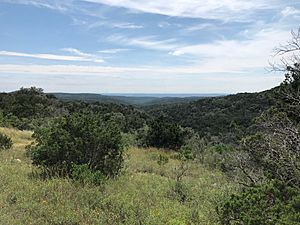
{"type": "Point", "coordinates": [131, 99]}
{"type": "Point", "coordinates": [224, 118]}
{"type": "Point", "coordinates": [30, 107]}
{"type": "Point", "coordinates": [218, 116]}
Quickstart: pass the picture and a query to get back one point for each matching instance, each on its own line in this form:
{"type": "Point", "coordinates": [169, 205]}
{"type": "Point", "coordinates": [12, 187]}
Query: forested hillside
{"type": "Point", "coordinates": [30, 107]}
{"type": "Point", "coordinates": [221, 117]}
{"type": "Point", "coordinates": [127, 100]}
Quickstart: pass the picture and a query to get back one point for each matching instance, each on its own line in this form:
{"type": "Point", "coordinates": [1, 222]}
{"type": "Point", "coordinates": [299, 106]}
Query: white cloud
{"type": "Point", "coordinates": [77, 52]}
{"type": "Point", "coordinates": [290, 11]}
{"type": "Point", "coordinates": [60, 5]}
{"type": "Point", "coordinates": [236, 55]}
{"type": "Point", "coordinates": [83, 57]}
{"type": "Point", "coordinates": [75, 69]}
{"type": "Point", "coordinates": [132, 80]}
{"type": "Point", "coordinates": [210, 9]}
{"type": "Point", "coordinates": [124, 25]}
{"type": "Point", "coordinates": [127, 26]}
{"type": "Point", "coordinates": [176, 53]}
{"type": "Point", "coordinates": [62, 69]}
{"type": "Point", "coordinates": [164, 24]}
{"type": "Point", "coordinates": [148, 42]}
{"type": "Point", "coordinates": [198, 27]}
{"type": "Point", "coordinates": [114, 50]}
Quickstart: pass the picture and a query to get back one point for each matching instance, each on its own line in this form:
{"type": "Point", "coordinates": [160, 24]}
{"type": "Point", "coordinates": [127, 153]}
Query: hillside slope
{"type": "Point", "coordinates": [146, 192]}
{"type": "Point", "coordinates": [127, 100]}
{"type": "Point", "coordinates": [217, 116]}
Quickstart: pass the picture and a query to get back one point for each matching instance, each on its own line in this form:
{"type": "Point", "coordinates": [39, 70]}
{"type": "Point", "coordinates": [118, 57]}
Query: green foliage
{"type": "Point", "coordinates": [84, 174]}
{"type": "Point", "coordinates": [217, 156]}
{"type": "Point", "coordinates": [79, 139]}
{"type": "Point", "coordinates": [221, 119]}
{"type": "Point", "coordinates": [185, 153]}
{"type": "Point", "coordinates": [272, 153]}
{"type": "Point", "coordinates": [5, 142]}
{"type": "Point", "coordinates": [136, 197]}
{"type": "Point", "coordinates": [180, 192]}
{"type": "Point", "coordinates": [197, 145]}
{"type": "Point", "coordinates": [21, 107]}
{"type": "Point", "coordinates": [270, 159]}
{"type": "Point", "coordinates": [129, 139]}
{"type": "Point", "coordinates": [272, 203]}
{"type": "Point", "coordinates": [28, 108]}
{"type": "Point", "coordinates": [288, 93]}
{"type": "Point", "coordinates": [162, 159]}
{"type": "Point", "coordinates": [127, 100]}
{"type": "Point", "coordinates": [164, 134]}
{"type": "Point", "coordinates": [142, 136]}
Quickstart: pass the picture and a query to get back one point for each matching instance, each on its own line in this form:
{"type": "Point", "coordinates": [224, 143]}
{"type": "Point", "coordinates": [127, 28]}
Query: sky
{"type": "Point", "coordinates": [143, 46]}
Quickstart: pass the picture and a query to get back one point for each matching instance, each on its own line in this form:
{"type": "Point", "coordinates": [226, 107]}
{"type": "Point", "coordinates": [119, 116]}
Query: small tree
{"type": "Point", "coordinates": [5, 142]}
{"type": "Point", "coordinates": [270, 160]}
{"type": "Point", "coordinates": [164, 134]}
{"type": "Point", "coordinates": [271, 203]}
{"type": "Point", "coordinates": [79, 139]}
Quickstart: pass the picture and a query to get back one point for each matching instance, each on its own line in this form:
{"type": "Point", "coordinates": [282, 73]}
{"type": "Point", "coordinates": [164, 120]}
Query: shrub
{"type": "Point", "coordinates": [164, 134]}
{"type": "Point", "coordinates": [185, 153]}
{"type": "Point", "coordinates": [272, 203]}
{"type": "Point", "coordinates": [84, 174]}
{"type": "Point", "coordinates": [197, 145]}
{"type": "Point", "coordinates": [129, 139]}
{"type": "Point", "coordinates": [5, 142]}
{"type": "Point", "coordinates": [79, 139]}
{"type": "Point", "coordinates": [162, 160]}
{"type": "Point", "coordinates": [179, 192]}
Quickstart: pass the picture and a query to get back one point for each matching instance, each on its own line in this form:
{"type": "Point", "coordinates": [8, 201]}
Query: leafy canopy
{"type": "Point", "coordinates": [79, 139]}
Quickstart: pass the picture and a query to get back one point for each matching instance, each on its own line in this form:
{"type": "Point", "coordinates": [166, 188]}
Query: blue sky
{"type": "Point", "coordinates": [139, 46]}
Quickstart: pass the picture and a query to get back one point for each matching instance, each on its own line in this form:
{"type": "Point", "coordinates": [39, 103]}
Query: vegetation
{"type": "Point", "coordinates": [144, 194]}
{"type": "Point", "coordinates": [270, 159]}
{"type": "Point", "coordinates": [127, 100]}
{"type": "Point", "coordinates": [271, 203]}
{"type": "Point", "coordinates": [29, 108]}
{"type": "Point", "coordinates": [224, 160]}
{"type": "Point", "coordinates": [164, 134]}
{"type": "Point", "coordinates": [78, 140]}
{"type": "Point", "coordinates": [5, 142]}
{"type": "Point", "coordinates": [221, 119]}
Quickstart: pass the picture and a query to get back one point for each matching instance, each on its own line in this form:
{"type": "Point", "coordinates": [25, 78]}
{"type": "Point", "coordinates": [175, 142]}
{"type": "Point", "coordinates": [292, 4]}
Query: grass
{"type": "Point", "coordinates": [145, 193]}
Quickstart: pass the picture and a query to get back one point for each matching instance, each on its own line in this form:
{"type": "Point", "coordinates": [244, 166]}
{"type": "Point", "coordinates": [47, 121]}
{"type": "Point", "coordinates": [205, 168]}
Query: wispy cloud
{"type": "Point", "coordinates": [198, 27]}
{"type": "Point", "coordinates": [124, 25]}
{"type": "Point", "coordinates": [76, 69]}
{"type": "Point", "coordinates": [81, 56]}
{"type": "Point", "coordinates": [114, 50]}
{"type": "Point", "coordinates": [147, 42]}
{"type": "Point", "coordinates": [290, 11]}
{"type": "Point", "coordinates": [77, 52]}
{"type": "Point", "coordinates": [60, 5]}
{"type": "Point", "coordinates": [123, 79]}
{"type": "Point", "coordinates": [193, 45]}
{"type": "Point", "coordinates": [211, 9]}
{"type": "Point", "coordinates": [251, 53]}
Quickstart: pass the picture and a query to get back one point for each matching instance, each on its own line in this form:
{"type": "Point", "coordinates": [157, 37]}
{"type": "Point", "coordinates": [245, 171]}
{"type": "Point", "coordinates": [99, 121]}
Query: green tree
{"type": "Point", "coordinates": [164, 134]}
{"type": "Point", "coordinates": [79, 139]}
{"type": "Point", "coordinates": [5, 142]}
{"type": "Point", "coordinates": [271, 203]}
{"type": "Point", "coordinates": [270, 160]}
